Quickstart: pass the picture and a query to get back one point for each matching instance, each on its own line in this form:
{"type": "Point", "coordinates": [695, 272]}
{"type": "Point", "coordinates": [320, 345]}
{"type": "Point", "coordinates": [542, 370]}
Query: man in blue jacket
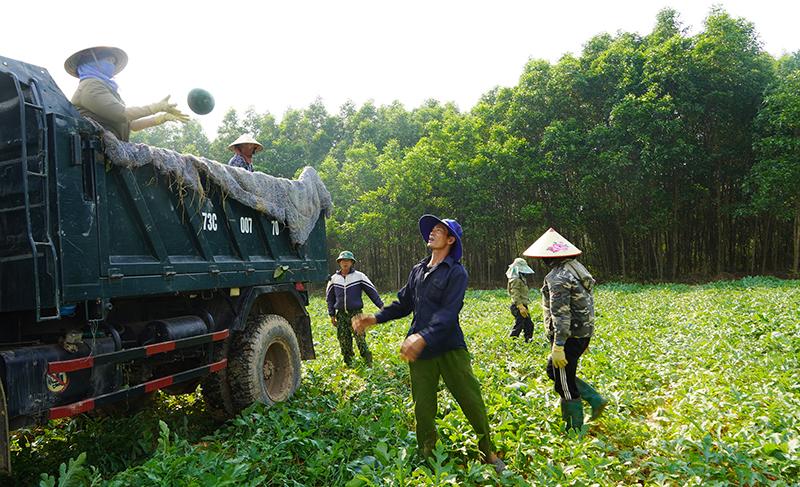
{"type": "Point", "coordinates": [344, 302]}
{"type": "Point", "coordinates": [434, 346]}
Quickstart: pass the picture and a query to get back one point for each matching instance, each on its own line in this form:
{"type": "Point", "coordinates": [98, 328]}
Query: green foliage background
{"type": "Point", "coordinates": [703, 383]}
{"type": "Point", "coordinates": [664, 156]}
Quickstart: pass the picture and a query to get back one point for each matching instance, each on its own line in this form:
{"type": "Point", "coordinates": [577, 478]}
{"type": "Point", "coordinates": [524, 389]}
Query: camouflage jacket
{"type": "Point", "coordinates": [568, 305]}
{"type": "Point", "coordinates": [518, 291]}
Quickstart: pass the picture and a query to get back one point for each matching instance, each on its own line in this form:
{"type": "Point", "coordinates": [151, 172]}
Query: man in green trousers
{"type": "Point", "coordinates": [434, 346]}
{"type": "Point", "coordinates": [344, 302]}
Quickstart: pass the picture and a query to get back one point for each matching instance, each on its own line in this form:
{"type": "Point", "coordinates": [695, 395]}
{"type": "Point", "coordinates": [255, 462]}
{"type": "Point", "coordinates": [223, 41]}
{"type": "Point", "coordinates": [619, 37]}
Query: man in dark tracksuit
{"type": "Point", "coordinates": [434, 346]}
{"type": "Point", "coordinates": [344, 302]}
{"type": "Point", "coordinates": [569, 318]}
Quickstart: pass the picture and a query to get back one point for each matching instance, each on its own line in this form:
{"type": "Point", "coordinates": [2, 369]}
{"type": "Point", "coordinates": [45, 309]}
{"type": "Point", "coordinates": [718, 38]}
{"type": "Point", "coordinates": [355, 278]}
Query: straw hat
{"type": "Point", "coordinates": [246, 139]}
{"type": "Point", "coordinates": [552, 244]}
{"type": "Point", "coordinates": [85, 55]}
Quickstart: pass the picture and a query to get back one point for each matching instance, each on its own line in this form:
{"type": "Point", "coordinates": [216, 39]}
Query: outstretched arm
{"type": "Point", "coordinates": [135, 113]}
{"type": "Point", "coordinates": [144, 123]}
{"type": "Point", "coordinates": [398, 309]}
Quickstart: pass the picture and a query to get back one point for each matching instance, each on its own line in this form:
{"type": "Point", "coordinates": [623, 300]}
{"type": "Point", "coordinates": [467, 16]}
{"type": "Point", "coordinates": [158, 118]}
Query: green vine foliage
{"type": "Point", "coordinates": [702, 381]}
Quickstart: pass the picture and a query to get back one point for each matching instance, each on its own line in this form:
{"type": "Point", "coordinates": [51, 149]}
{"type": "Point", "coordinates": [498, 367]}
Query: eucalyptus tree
{"type": "Point", "coordinates": [774, 177]}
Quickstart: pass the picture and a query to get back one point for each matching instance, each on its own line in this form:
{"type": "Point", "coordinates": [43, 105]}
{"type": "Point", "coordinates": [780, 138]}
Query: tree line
{"type": "Point", "coordinates": [666, 156]}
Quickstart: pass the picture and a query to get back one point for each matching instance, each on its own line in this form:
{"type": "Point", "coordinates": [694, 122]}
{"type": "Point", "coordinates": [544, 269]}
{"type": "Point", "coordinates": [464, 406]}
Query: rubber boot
{"type": "Point", "coordinates": [595, 400]}
{"type": "Point", "coordinates": [572, 414]}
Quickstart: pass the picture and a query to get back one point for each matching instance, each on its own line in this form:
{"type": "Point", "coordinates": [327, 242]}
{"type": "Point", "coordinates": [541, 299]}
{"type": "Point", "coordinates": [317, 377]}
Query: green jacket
{"type": "Point", "coordinates": [518, 291]}
{"type": "Point", "coordinates": [95, 100]}
{"type": "Point", "coordinates": [568, 302]}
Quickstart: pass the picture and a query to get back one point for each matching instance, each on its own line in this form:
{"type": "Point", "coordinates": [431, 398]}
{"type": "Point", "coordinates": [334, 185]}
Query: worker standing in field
{"type": "Point", "coordinates": [344, 302]}
{"type": "Point", "coordinates": [569, 318]}
{"type": "Point", "coordinates": [517, 274]}
{"type": "Point", "coordinates": [97, 98]}
{"type": "Point", "coordinates": [434, 346]}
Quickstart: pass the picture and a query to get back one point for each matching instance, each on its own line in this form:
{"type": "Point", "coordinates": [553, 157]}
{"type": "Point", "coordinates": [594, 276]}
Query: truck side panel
{"type": "Point", "coordinates": [151, 231]}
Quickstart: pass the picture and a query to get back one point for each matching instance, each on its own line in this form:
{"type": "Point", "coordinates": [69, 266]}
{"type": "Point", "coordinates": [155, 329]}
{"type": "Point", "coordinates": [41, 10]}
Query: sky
{"type": "Point", "coordinates": [273, 56]}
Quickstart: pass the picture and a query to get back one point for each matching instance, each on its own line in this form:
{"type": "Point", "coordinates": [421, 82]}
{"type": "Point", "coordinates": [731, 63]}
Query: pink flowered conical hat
{"type": "Point", "coordinates": [552, 244]}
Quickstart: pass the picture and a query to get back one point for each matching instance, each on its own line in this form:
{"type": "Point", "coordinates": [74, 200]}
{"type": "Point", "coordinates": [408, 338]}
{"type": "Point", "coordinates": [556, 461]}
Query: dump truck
{"type": "Point", "coordinates": [127, 269]}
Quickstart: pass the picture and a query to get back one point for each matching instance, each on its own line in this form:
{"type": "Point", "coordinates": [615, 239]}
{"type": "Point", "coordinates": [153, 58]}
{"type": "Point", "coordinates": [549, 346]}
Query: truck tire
{"type": "Point", "coordinates": [264, 363]}
{"type": "Point", "coordinates": [216, 390]}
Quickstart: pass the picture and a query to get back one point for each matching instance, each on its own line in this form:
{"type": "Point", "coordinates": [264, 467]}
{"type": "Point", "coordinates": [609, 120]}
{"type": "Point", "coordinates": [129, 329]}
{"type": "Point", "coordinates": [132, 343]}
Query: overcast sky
{"type": "Point", "coordinates": [278, 55]}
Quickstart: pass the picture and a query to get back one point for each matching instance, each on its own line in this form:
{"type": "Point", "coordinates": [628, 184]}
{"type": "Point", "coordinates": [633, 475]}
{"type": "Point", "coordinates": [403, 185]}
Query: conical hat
{"type": "Point", "coordinates": [552, 244]}
{"type": "Point", "coordinates": [246, 139]}
{"type": "Point", "coordinates": [85, 55]}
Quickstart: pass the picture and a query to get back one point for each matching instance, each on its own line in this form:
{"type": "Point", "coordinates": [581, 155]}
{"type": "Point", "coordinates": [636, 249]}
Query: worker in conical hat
{"type": "Point", "coordinates": [569, 318]}
{"type": "Point", "coordinates": [244, 148]}
{"type": "Point", "coordinates": [97, 98]}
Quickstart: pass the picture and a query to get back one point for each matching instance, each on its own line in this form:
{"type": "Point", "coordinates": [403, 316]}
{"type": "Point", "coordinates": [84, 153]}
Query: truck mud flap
{"type": "Point", "coordinates": [133, 392]}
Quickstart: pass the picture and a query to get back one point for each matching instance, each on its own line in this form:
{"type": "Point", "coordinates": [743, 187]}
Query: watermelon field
{"type": "Point", "coordinates": [704, 384]}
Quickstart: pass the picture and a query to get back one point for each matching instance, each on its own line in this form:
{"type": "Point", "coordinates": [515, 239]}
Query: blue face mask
{"type": "Point", "coordinates": [105, 67]}
{"type": "Point", "coordinates": [102, 70]}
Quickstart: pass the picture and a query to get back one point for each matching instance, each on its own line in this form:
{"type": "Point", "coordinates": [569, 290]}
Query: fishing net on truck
{"type": "Point", "coordinates": [296, 203]}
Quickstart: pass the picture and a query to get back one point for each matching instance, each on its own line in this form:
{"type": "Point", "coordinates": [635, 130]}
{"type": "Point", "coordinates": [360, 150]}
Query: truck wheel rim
{"type": "Point", "coordinates": [278, 373]}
